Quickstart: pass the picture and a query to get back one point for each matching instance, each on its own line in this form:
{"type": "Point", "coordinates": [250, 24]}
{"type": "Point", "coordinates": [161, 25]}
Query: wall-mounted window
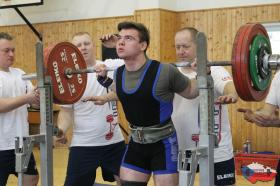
{"type": "Point", "coordinates": [273, 30]}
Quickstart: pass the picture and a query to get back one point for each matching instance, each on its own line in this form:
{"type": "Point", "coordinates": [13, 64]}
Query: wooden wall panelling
{"type": "Point", "coordinates": [168, 28]}
{"type": "Point", "coordinates": [150, 18]}
{"type": "Point", "coordinates": [24, 36]}
{"type": "Point", "coordinates": [185, 19]}
{"type": "Point", "coordinates": [208, 30]}
{"type": "Point", "coordinates": [260, 13]}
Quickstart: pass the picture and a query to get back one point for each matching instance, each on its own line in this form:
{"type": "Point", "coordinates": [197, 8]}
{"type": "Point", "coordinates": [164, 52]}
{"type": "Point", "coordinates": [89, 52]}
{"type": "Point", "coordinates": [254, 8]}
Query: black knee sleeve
{"type": "Point", "coordinates": [133, 183]}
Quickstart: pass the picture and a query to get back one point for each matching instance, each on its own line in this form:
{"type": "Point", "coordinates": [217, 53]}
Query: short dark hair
{"type": "Point", "coordinates": [4, 35]}
{"type": "Point", "coordinates": [192, 30]}
{"type": "Point", "coordinates": [144, 33]}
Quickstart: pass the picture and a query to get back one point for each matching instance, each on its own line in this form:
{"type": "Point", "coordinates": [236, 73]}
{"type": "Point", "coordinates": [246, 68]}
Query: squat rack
{"type": "Point", "coordinates": [204, 154]}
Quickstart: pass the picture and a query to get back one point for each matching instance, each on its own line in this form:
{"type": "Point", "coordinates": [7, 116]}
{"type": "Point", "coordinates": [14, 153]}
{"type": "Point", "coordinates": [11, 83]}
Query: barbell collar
{"type": "Point", "coordinates": [29, 76]}
{"type": "Point", "coordinates": [273, 60]}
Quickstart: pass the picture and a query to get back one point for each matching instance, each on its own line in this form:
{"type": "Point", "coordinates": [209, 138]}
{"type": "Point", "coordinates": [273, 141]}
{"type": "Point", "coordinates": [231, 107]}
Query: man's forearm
{"type": "Point", "coordinates": [111, 96]}
{"type": "Point", "coordinates": [65, 119]}
{"type": "Point", "coordinates": [9, 104]}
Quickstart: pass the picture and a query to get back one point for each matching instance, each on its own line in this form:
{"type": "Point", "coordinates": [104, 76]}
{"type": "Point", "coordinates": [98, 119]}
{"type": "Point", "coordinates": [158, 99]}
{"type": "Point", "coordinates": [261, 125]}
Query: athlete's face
{"type": "Point", "coordinates": [129, 44]}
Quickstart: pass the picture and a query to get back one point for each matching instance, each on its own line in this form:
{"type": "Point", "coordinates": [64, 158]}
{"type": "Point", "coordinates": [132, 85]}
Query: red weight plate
{"type": "Point", "coordinates": [236, 60]}
{"type": "Point", "coordinates": [243, 69]}
{"type": "Point", "coordinates": [66, 89]}
{"type": "Point", "coordinates": [251, 32]}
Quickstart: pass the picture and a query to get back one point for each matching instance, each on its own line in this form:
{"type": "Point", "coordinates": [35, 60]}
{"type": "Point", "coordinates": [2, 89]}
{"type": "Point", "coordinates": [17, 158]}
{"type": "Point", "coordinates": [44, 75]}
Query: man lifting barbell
{"type": "Point", "coordinates": [146, 89]}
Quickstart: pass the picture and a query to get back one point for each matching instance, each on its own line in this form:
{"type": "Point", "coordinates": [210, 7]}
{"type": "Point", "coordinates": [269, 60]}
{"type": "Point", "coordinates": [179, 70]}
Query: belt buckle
{"type": "Point", "coordinates": [140, 134]}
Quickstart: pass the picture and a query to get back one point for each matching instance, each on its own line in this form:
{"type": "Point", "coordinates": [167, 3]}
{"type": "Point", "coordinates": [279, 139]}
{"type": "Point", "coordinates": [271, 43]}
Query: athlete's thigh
{"type": "Point", "coordinates": [127, 174]}
{"type": "Point", "coordinates": [137, 157]}
{"type": "Point", "coordinates": [164, 156]}
{"type": "Point", "coordinates": [166, 179]}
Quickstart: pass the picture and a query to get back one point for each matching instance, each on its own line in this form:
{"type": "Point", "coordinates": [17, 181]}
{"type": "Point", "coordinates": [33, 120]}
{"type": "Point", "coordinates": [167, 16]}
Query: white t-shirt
{"type": "Point", "coordinates": [15, 122]}
{"type": "Point", "coordinates": [91, 127]}
{"type": "Point", "coordinates": [185, 117]}
{"type": "Point", "coordinates": [273, 96]}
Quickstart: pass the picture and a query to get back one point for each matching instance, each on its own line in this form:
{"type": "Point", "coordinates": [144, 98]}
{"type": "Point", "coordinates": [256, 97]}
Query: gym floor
{"type": "Point", "coordinates": [60, 164]}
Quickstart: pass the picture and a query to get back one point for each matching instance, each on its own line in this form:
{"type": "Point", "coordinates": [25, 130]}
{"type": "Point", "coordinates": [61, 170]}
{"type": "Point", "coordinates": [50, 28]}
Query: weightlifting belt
{"type": "Point", "coordinates": [151, 134]}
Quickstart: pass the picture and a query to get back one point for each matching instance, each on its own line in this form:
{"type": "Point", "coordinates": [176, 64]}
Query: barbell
{"type": "Point", "coordinates": [252, 61]}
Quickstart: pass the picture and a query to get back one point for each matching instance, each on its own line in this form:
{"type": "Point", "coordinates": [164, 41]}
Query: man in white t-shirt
{"type": "Point", "coordinates": [15, 95]}
{"type": "Point", "coordinates": [268, 115]}
{"type": "Point", "coordinates": [185, 115]}
{"type": "Point", "coordinates": [97, 139]}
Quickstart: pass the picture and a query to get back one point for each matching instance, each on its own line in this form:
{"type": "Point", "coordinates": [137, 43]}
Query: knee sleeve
{"type": "Point", "coordinates": [133, 183]}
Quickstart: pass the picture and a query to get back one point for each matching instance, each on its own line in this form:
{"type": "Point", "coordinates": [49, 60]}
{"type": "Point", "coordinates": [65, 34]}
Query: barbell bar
{"type": "Point", "coordinates": [70, 71]}
{"type": "Point", "coordinates": [251, 64]}
{"type": "Point", "coordinates": [271, 61]}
